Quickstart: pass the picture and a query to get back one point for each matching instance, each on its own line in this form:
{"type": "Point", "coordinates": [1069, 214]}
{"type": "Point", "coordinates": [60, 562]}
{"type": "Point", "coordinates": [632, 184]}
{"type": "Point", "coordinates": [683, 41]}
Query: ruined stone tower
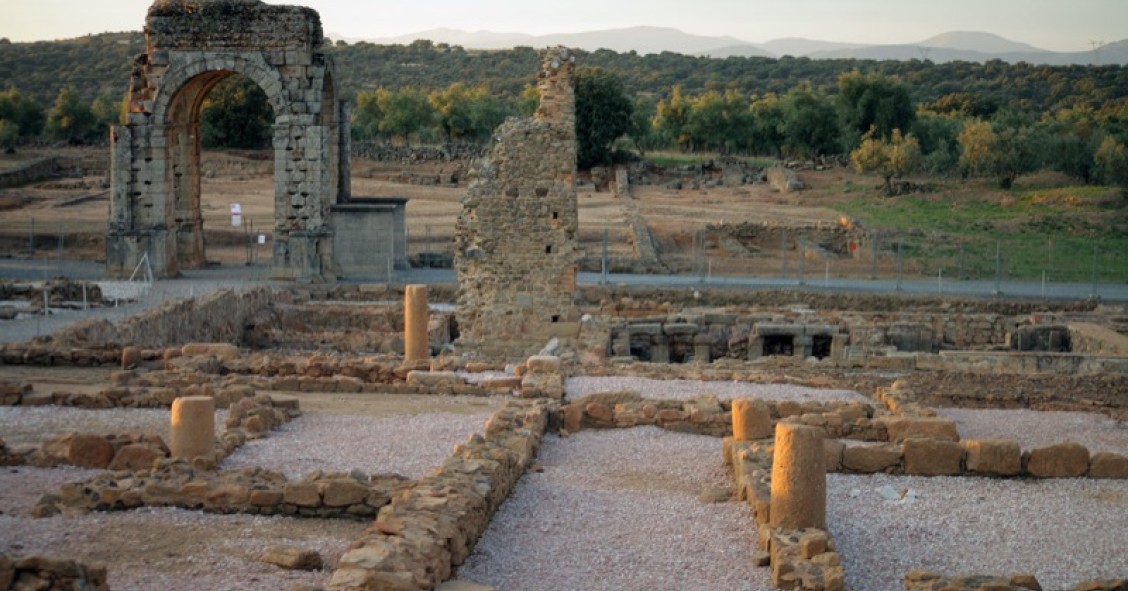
{"type": "Point", "coordinates": [515, 240]}
{"type": "Point", "coordinates": [191, 45]}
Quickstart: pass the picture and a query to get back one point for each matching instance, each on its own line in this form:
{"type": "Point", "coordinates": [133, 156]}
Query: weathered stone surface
{"type": "Point", "coordinates": [833, 449]}
{"type": "Point", "coordinates": [1001, 457]}
{"type": "Point", "coordinates": [868, 459]}
{"type": "Point", "coordinates": [434, 379]}
{"type": "Point", "coordinates": [416, 320]}
{"type": "Point", "coordinates": [543, 364]}
{"type": "Point", "coordinates": [82, 450]}
{"type": "Point", "coordinates": [193, 427]}
{"type": "Point", "coordinates": [904, 427]}
{"type": "Point", "coordinates": [798, 477]}
{"type": "Point", "coordinates": [136, 456]}
{"type": "Point", "coordinates": [343, 492]}
{"type": "Point", "coordinates": [751, 419]}
{"type": "Point", "coordinates": [932, 457]}
{"type": "Point", "coordinates": [1063, 460]}
{"type": "Point", "coordinates": [291, 558]}
{"type": "Point", "coordinates": [1108, 465]}
{"type": "Point", "coordinates": [302, 494]}
{"type": "Point", "coordinates": [222, 351]}
{"type": "Point", "coordinates": [462, 586]}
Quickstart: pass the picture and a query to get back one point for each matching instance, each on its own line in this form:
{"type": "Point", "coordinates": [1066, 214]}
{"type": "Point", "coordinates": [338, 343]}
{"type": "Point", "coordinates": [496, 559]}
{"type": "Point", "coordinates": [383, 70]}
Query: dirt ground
{"type": "Point", "coordinates": [76, 209]}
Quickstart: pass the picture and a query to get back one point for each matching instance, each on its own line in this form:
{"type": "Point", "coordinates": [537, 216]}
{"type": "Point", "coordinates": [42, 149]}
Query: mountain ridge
{"type": "Point", "coordinates": [976, 46]}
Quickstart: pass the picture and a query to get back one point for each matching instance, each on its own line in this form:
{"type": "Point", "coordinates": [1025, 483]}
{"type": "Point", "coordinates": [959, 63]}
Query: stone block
{"type": "Point", "coordinates": [291, 558]}
{"type": "Point", "coordinates": [869, 459]}
{"type": "Point", "coordinates": [136, 456]}
{"type": "Point", "coordinates": [343, 492]}
{"type": "Point", "coordinates": [222, 351]}
{"type": "Point", "coordinates": [302, 493]}
{"type": "Point", "coordinates": [543, 364]}
{"type": "Point", "coordinates": [433, 379]}
{"type": "Point", "coordinates": [82, 450]}
{"type": "Point", "coordinates": [1000, 457]}
{"type": "Point", "coordinates": [833, 449]}
{"type": "Point", "coordinates": [904, 427]}
{"type": "Point", "coordinates": [1108, 465]}
{"type": "Point", "coordinates": [751, 419]}
{"type": "Point", "coordinates": [1063, 460]}
{"type": "Point", "coordinates": [932, 457]}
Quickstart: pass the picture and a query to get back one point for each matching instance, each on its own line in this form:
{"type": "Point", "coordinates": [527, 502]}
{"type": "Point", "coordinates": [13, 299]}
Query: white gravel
{"type": "Point", "coordinates": [159, 548]}
{"type": "Point", "coordinates": [30, 426]}
{"type": "Point", "coordinates": [409, 445]}
{"type": "Point", "coordinates": [1063, 531]}
{"type": "Point", "coordinates": [618, 510]}
{"type": "Point", "coordinates": [1036, 428]}
{"type": "Point", "coordinates": [686, 389]}
{"type": "Point", "coordinates": [22, 486]}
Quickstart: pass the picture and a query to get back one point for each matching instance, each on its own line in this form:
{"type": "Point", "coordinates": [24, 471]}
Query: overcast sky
{"type": "Point", "coordinates": [1061, 25]}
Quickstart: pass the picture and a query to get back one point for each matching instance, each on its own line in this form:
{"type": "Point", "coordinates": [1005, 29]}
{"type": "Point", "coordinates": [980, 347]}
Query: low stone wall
{"type": "Point", "coordinates": [219, 316]}
{"type": "Point", "coordinates": [43, 573]}
{"type": "Point", "coordinates": [36, 170]}
{"type": "Point", "coordinates": [923, 580]}
{"type": "Point", "coordinates": [706, 415]}
{"type": "Point", "coordinates": [432, 524]}
{"type": "Point", "coordinates": [254, 491]}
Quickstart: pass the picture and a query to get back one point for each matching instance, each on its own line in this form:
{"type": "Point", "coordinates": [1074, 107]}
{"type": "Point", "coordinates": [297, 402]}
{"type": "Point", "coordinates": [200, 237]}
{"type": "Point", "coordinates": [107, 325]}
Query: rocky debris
{"type": "Point", "coordinates": [41, 573]}
{"type": "Point", "coordinates": [783, 180]}
{"type": "Point", "coordinates": [291, 558]}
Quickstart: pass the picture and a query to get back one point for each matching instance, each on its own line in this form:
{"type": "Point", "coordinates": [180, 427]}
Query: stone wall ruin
{"type": "Point", "coordinates": [515, 244]}
{"type": "Point", "coordinates": [190, 47]}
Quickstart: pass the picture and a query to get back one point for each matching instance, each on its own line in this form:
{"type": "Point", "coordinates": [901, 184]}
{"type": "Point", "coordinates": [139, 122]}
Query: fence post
{"type": "Point", "coordinates": [783, 249]}
{"type": "Point", "coordinates": [1096, 273]}
{"type": "Point", "coordinates": [900, 262]}
{"type": "Point", "coordinates": [800, 247]}
{"type": "Point", "coordinates": [998, 267]}
{"type": "Point", "coordinates": [874, 243]}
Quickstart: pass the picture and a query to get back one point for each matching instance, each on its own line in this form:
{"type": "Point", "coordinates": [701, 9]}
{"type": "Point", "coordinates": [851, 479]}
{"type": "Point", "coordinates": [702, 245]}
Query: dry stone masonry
{"type": "Point", "coordinates": [515, 244]}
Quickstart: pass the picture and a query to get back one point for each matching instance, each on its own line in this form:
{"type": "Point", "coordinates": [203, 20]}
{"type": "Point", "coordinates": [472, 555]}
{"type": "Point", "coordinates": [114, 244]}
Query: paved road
{"type": "Point", "coordinates": [240, 275]}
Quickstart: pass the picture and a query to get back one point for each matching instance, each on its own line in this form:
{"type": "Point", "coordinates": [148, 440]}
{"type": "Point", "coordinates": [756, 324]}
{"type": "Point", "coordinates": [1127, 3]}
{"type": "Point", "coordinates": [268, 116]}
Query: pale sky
{"type": "Point", "coordinates": [1059, 25]}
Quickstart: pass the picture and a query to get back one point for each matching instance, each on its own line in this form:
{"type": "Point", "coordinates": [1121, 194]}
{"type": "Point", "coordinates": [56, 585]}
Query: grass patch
{"type": "Point", "coordinates": [1035, 230]}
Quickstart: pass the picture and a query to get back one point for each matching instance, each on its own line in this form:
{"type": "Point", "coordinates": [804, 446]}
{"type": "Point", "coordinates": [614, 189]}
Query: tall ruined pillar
{"type": "Point", "coordinates": [798, 477]}
{"type": "Point", "coordinates": [515, 242]}
{"type": "Point", "coordinates": [416, 317]}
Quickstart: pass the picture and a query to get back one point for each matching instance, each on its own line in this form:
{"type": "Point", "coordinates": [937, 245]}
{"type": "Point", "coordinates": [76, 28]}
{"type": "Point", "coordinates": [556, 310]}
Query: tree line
{"type": "Point", "coordinates": [894, 118]}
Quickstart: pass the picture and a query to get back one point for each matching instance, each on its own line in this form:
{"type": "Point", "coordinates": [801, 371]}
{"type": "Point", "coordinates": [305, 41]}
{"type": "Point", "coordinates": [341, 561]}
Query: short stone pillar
{"type": "Point", "coordinates": [755, 348]}
{"type": "Point", "coordinates": [416, 319]}
{"type": "Point", "coordinates": [798, 477]}
{"type": "Point", "coordinates": [193, 427]}
{"type": "Point", "coordinates": [751, 419]}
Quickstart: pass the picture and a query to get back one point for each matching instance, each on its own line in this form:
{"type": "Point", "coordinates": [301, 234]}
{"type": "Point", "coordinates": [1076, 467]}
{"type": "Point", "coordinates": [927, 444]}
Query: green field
{"type": "Point", "coordinates": [1034, 230]}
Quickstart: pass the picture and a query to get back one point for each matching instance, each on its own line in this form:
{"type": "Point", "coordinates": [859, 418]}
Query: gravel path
{"type": "Point", "coordinates": [31, 426]}
{"type": "Point", "coordinates": [618, 510]}
{"type": "Point", "coordinates": [22, 486]}
{"type": "Point", "coordinates": [686, 389]}
{"type": "Point", "coordinates": [1063, 531]}
{"type": "Point", "coordinates": [1037, 428]}
{"type": "Point", "coordinates": [409, 445]}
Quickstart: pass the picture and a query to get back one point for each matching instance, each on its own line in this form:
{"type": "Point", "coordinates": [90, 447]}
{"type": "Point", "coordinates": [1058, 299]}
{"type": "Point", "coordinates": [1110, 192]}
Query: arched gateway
{"type": "Point", "coordinates": [191, 45]}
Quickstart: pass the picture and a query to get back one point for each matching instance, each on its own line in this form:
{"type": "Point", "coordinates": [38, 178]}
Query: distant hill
{"type": "Point", "coordinates": [970, 46]}
{"type": "Point", "coordinates": [643, 40]}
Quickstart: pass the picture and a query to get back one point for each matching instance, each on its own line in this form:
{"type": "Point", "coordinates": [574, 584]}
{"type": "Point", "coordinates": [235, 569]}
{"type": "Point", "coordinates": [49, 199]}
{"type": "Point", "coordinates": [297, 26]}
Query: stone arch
{"type": "Point", "coordinates": [191, 46]}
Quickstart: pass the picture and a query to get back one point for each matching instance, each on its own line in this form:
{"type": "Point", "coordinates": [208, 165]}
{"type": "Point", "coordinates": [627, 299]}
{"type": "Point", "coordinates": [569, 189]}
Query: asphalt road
{"type": "Point", "coordinates": [239, 275]}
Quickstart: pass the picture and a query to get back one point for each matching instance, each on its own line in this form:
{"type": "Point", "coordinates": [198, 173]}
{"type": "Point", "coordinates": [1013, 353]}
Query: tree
{"type": "Point", "coordinates": [720, 122]}
{"type": "Point", "coordinates": [9, 135]}
{"type": "Point", "coordinates": [603, 115]}
{"type": "Point", "coordinates": [368, 114]}
{"type": "Point", "coordinates": [810, 124]}
{"type": "Point", "coordinates": [70, 118]}
{"type": "Point", "coordinates": [937, 136]}
{"type": "Point", "coordinates": [407, 112]}
{"type": "Point", "coordinates": [1005, 148]}
{"type": "Point", "coordinates": [1112, 162]}
{"type": "Point", "coordinates": [1072, 140]}
{"type": "Point", "coordinates": [109, 112]}
{"type": "Point", "coordinates": [767, 125]}
{"type": "Point", "coordinates": [642, 133]}
{"type": "Point", "coordinates": [671, 118]}
{"type": "Point", "coordinates": [873, 102]}
{"type": "Point", "coordinates": [467, 113]}
{"type": "Point", "coordinates": [892, 158]}
{"type": "Point", "coordinates": [236, 114]}
{"type": "Point", "coordinates": [23, 112]}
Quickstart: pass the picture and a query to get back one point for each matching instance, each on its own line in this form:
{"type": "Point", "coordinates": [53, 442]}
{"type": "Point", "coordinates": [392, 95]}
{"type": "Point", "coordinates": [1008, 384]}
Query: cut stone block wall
{"type": "Point", "coordinates": [155, 170]}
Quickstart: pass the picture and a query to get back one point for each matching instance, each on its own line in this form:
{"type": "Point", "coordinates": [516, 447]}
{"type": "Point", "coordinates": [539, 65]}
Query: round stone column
{"type": "Point", "coordinates": [751, 419]}
{"type": "Point", "coordinates": [798, 477]}
{"type": "Point", "coordinates": [416, 318]}
{"type": "Point", "coordinates": [193, 427]}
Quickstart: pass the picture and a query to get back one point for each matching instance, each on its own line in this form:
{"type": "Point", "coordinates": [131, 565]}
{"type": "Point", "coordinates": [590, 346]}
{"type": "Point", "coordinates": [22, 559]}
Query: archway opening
{"type": "Point", "coordinates": [220, 131]}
